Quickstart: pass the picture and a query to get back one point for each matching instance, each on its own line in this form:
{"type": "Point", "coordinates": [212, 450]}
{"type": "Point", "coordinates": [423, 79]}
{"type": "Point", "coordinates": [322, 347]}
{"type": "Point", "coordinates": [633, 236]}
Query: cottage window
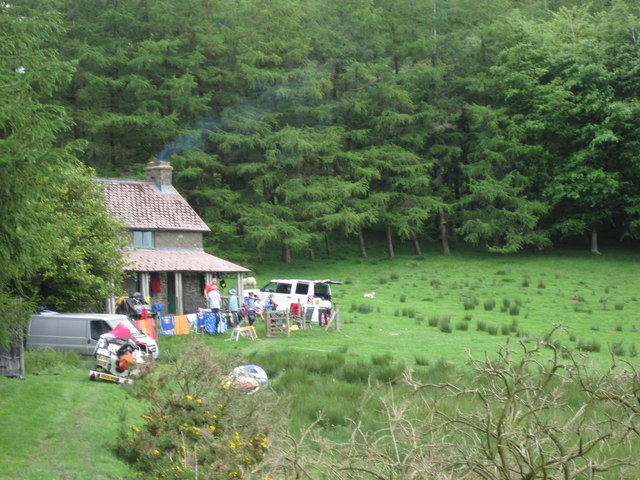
{"type": "Point", "coordinates": [143, 239]}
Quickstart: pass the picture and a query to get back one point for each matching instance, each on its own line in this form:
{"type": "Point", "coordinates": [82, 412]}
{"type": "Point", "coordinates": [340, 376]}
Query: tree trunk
{"type": "Point", "coordinates": [327, 243]}
{"type": "Point", "coordinates": [443, 235]}
{"type": "Point", "coordinates": [416, 246]}
{"type": "Point", "coordinates": [390, 242]}
{"type": "Point", "coordinates": [594, 241]}
{"type": "Point", "coordinates": [286, 253]}
{"type": "Point", "coordinates": [363, 250]}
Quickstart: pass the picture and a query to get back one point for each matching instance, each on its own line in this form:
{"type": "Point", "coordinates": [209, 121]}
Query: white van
{"type": "Point", "coordinates": [79, 332]}
{"type": "Point", "coordinates": [314, 296]}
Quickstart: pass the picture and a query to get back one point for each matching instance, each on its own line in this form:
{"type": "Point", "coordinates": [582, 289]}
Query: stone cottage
{"type": "Point", "coordinates": [165, 255]}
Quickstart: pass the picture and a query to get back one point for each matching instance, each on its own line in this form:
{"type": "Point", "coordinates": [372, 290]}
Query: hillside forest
{"type": "Point", "coordinates": [499, 123]}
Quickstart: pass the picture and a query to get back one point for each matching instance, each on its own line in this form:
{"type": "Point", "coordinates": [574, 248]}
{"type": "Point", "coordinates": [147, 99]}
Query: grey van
{"type": "Point", "coordinates": [79, 332]}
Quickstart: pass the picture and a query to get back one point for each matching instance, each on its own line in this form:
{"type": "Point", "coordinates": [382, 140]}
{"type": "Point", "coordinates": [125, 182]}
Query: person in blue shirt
{"type": "Point", "coordinates": [270, 304]}
{"type": "Point", "coordinates": [233, 308]}
{"type": "Point", "coordinates": [250, 305]}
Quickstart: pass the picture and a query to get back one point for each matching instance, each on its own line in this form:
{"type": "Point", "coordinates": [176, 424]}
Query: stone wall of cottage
{"type": "Point", "coordinates": [193, 291]}
{"type": "Point", "coordinates": [186, 240]}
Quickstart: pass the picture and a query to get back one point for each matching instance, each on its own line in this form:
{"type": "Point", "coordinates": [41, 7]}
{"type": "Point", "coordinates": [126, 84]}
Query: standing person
{"type": "Point", "coordinates": [233, 308]}
{"type": "Point", "coordinates": [209, 286]}
{"type": "Point", "coordinates": [214, 302]}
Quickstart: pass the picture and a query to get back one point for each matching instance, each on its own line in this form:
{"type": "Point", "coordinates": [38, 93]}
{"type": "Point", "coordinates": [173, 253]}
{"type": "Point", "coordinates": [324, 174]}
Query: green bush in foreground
{"type": "Point", "coordinates": [196, 426]}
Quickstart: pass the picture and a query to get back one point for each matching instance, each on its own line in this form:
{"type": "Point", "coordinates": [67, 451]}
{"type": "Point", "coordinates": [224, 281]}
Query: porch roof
{"type": "Point", "coordinates": [175, 260]}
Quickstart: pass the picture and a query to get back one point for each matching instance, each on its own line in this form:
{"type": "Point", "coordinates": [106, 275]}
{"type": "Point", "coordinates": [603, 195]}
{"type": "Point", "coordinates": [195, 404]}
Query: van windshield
{"type": "Point", "coordinates": [277, 287]}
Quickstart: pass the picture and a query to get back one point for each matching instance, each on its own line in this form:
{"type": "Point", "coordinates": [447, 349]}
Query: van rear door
{"type": "Point", "coordinates": [42, 332]}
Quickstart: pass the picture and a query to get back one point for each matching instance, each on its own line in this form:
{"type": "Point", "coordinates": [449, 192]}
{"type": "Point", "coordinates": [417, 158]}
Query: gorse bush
{"type": "Point", "coordinates": [196, 425]}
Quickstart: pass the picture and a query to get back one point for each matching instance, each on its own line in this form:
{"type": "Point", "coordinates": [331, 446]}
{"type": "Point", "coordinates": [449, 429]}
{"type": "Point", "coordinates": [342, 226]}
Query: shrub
{"type": "Point", "coordinates": [387, 373]}
{"type": "Point", "coordinates": [393, 276]}
{"type": "Point", "coordinates": [468, 317]}
{"type": "Point", "coordinates": [462, 326]}
{"type": "Point", "coordinates": [592, 346]}
{"type": "Point", "coordinates": [632, 350]}
{"type": "Point", "coordinates": [433, 321]}
{"type": "Point", "coordinates": [541, 284]}
{"type": "Point", "coordinates": [492, 330]}
{"type": "Point", "coordinates": [445, 325]}
{"type": "Point", "coordinates": [619, 306]}
{"type": "Point", "coordinates": [355, 372]}
{"type": "Point", "coordinates": [190, 429]}
{"type": "Point", "coordinates": [381, 360]}
{"type": "Point", "coordinates": [525, 282]}
{"type": "Point", "coordinates": [505, 329]}
{"type": "Point", "coordinates": [469, 303]}
{"type": "Point", "coordinates": [365, 308]}
{"type": "Point", "coordinates": [481, 326]}
{"type": "Point", "coordinates": [514, 310]}
{"type": "Point", "coordinates": [580, 308]}
{"type": "Point", "coordinates": [506, 303]}
{"type": "Point", "coordinates": [421, 360]}
{"type": "Point", "coordinates": [403, 298]}
{"type": "Point", "coordinates": [618, 349]}
{"type": "Point", "coordinates": [489, 304]}
{"type": "Point", "coordinates": [618, 328]}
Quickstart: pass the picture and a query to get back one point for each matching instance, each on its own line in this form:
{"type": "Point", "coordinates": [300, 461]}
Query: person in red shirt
{"type": "Point", "coordinates": [209, 287]}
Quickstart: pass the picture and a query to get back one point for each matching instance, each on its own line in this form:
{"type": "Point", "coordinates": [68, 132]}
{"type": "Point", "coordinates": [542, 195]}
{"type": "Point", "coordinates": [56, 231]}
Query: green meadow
{"type": "Point", "coordinates": [427, 314]}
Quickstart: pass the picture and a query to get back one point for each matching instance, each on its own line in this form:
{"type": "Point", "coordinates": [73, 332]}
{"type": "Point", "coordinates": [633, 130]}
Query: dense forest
{"type": "Point", "coordinates": [500, 123]}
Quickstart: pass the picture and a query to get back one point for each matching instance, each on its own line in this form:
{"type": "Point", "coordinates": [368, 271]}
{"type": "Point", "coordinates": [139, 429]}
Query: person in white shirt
{"type": "Point", "coordinates": [215, 300]}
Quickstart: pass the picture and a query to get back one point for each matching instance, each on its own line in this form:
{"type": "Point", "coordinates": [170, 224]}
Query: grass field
{"type": "Point", "coordinates": [429, 309]}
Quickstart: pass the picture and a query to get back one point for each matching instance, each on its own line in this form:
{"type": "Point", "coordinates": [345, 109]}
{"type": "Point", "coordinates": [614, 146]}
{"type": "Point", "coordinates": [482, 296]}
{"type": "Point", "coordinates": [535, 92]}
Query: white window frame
{"type": "Point", "coordinates": [143, 239]}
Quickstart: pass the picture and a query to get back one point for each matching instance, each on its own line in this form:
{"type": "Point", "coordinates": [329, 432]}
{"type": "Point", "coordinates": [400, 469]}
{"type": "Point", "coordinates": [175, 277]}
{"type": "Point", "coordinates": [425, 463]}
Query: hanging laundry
{"type": "Point", "coordinates": [167, 326]}
{"type": "Point", "coordinates": [181, 325]}
{"type": "Point", "coordinates": [147, 326]}
{"type": "Point", "coordinates": [210, 323]}
{"type": "Point", "coordinates": [193, 321]}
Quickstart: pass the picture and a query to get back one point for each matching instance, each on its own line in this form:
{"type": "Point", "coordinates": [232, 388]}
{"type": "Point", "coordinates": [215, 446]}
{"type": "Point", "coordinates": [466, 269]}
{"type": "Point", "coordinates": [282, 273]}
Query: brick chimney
{"type": "Point", "coordinates": [160, 173]}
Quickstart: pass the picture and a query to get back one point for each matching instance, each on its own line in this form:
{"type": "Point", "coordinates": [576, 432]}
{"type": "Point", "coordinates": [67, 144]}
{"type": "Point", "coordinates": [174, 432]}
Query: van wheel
{"type": "Point", "coordinates": [92, 378]}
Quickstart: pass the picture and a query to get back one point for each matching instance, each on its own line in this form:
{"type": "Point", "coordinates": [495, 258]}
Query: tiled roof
{"type": "Point", "coordinates": [143, 207]}
{"type": "Point", "coordinates": [160, 260]}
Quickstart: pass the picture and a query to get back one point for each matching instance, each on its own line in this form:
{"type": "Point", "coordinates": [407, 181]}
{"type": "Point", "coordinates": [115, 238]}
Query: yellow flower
{"type": "Point", "coordinates": [220, 405]}
{"type": "Point", "coordinates": [134, 428]}
{"type": "Point", "coordinates": [212, 427]}
{"type": "Point", "coordinates": [188, 397]}
{"type": "Point", "coordinates": [214, 416]}
{"type": "Point", "coordinates": [199, 400]}
{"type": "Point", "coordinates": [156, 452]}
